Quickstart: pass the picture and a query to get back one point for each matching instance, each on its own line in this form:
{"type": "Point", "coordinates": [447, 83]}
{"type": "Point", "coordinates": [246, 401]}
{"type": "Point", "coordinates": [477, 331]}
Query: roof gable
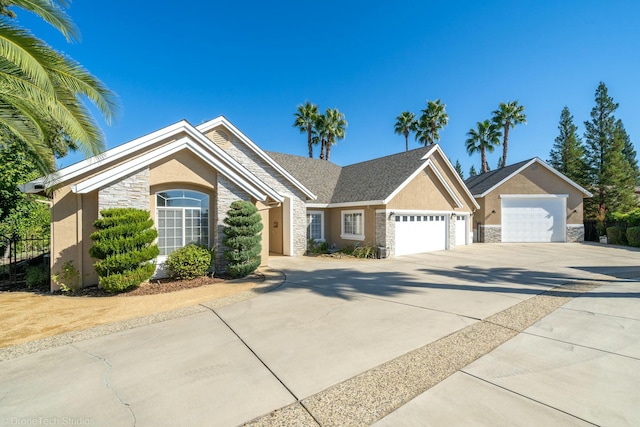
{"type": "Point", "coordinates": [221, 120]}
{"type": "Point", "coordinates": [139, 150]}
{"type": "Point", "coordinates": [483, 184]}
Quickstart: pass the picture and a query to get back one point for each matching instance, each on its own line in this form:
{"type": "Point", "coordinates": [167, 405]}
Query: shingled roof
{"type": "Point", "coordinates": [480, 183]}
{"type": "Point", "coordinates": [319, 176]}
{"type": "Point", "coordinates": [373, 180]}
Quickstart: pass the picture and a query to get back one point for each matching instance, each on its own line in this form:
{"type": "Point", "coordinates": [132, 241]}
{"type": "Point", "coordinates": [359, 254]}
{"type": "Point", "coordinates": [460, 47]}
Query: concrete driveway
{"type": "Point", "coordinates": [351, 342]}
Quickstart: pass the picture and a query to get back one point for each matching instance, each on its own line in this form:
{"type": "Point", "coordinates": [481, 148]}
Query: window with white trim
{"type": "Point", "coordinates": [182, 218]}
{"type": "Point", "coordinates": [315, 225]}
{"type": "Point", "coordinates": [352, 225]}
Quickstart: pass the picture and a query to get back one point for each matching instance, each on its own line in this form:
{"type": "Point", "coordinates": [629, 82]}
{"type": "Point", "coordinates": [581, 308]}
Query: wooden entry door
{"type": "Point", "coordinates": [275, 230]}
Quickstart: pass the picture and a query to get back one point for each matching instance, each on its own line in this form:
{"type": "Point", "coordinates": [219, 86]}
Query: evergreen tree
{"type": "Point", "coordinates": [472, 171]}
{"type": "Point", "coordinates": [629, 151]}
{"type": "Point", "coordinates": [20, 214]}
{"type": "Point", "coordinates": [242, 238]}
{"type": "Point", "coordinates": [567, 155]}
{"type": "Point", "coordinates": [459, 169]}
{"type": "Point", "coordinates": [124, 247]}
{"type": "Point", "coordinates": [609, 173]}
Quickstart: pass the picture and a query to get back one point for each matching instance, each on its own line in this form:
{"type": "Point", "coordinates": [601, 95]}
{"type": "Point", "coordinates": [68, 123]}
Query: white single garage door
{"type": "Point", "coordinates": [420, 233]}
{"type": "Point", "coordinates": [533, 219]}
{"type": "Point", "coordinates": [461, 230]}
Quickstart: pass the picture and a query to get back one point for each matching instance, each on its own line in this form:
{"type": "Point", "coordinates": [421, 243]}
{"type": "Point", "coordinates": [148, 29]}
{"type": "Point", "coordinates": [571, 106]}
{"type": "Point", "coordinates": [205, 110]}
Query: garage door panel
{"type": "Point", "coordinates": [533, 220]}
{"type": "Point", "coordinates": [419, 233]}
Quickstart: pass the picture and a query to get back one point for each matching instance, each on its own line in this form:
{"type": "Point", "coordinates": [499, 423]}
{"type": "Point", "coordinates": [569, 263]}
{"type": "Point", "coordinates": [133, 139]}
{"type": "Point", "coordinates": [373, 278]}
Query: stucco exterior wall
{"type": "Point", "coordinates": [426, 192]}
{"type": "Point", "coordinates": [333, 226]}
{"type": "Point", "coordinates": [72, 217]}
{"type": "Point", "coordinates": [182, 167]}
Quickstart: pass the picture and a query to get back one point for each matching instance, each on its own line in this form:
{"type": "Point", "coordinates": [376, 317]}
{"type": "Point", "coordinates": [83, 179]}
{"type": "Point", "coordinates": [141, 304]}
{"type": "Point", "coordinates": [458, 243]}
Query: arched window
{"type": "Point", "coordinates": [183, 218]}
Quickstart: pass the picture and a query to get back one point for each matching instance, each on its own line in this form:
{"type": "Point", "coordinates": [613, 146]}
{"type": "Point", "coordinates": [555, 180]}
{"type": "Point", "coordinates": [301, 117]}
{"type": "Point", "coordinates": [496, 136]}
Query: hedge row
{"type": "Point", "coordinates": [618, 236]}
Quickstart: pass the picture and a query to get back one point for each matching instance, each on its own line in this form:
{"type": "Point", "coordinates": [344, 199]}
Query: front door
{"type": "Point", "coordinates": [275, 230]}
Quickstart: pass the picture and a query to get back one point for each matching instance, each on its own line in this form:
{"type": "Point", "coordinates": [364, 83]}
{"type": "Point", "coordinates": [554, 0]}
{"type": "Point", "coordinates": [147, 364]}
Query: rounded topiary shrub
{"type": "Point", "coordinates": [633, 236]}
{"type": "Point", "coordinates": [188, 262]}
{"type": "Point", "coordinates": [616, 235]}
{"type": "Point", "coordinates": [242, 238]}
{"type": "Point", "coordinates": [123, 245]}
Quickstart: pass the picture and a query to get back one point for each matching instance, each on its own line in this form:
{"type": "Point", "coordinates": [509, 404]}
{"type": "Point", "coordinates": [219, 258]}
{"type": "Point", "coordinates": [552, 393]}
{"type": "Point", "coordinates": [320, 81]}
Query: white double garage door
{"type": "Point", "coordinates": [418, 233]}
{"type": "Point", "coordinates": [533, 218]}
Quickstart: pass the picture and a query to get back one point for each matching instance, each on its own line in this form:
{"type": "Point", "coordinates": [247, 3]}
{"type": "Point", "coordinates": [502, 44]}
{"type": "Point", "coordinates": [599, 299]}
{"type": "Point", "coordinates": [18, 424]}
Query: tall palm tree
{"type": "Point", "coordinates": [507, 116]}
{"type": "Point", "coordinates": [41, 90]}
{"type": "Point", "coordinates": [306, 116]}
{"type": "Point", "coordinates": [336, 127]}
{"type": "Point", "coordinates": [320, 133]}
{"type": "Point", "coordinates": [433, 119]}
{"type": "Point", "coordinates": [485, 138]}
{"type": "Point", "coordinates": [404, 125]}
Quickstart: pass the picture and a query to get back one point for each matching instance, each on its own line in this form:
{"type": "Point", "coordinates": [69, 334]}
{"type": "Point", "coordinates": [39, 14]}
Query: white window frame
{"type": "Point", "coordinates": [321, 213]}
{"type": "Point", "coordinates": [349, 236]}
{"type": "Point", "coordinates": [183, 209]}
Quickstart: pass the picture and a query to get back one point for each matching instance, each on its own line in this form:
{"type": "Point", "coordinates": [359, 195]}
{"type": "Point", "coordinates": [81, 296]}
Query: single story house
{"type": "Point", "coordinates": [406, 203]}
{"type": "Point", "coordinates": [187, 176]}
{"type": "Point", "coordinates": [527, 202]}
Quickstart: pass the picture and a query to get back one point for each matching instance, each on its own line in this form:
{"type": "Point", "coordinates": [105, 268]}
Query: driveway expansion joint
{"type": "Point", "coordinates": [526, 397]}
{"type": "Point", "coordinates": [368, 397]}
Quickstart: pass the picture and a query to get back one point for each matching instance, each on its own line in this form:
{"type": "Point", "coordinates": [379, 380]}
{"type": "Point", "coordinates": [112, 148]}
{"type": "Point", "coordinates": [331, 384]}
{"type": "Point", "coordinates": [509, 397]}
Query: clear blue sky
{"type": "Point", "coordinates": [255, 61]}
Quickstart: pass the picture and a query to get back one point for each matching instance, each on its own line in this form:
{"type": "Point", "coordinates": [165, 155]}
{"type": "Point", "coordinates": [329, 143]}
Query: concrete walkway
{"type": "Point", "coordinates": [351, 342]}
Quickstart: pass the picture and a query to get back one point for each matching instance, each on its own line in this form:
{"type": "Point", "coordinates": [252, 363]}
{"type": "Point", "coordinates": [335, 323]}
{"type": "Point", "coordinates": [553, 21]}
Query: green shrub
{"type": "Point", "coordinates": [314, 247]}
{"type": "Point", "coordinates": [364, 252]}
{"type": "Point", "coordinates": [68, 279]}
{"type": "Point", "coordinates": [633, 236]}
{"type": "Point", "coordinates": [616, 235]}
{"type": "Point", "coordinates": [189, 262]}
{"type": "Point", "coordinates": [37, 278]}
{"type": "Point", "coordinates": [348, 250]}
{"type": "Point", "coordinates": [123, 245]}
{"type": "Point", "coordinates": [242, 238]}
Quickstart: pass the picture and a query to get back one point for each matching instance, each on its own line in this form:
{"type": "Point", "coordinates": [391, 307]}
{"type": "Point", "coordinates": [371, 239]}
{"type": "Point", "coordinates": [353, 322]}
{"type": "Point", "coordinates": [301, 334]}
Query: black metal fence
{"type": "Point", "coordinates": [24, 263]}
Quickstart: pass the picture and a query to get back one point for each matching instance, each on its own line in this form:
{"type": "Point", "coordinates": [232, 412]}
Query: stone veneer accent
{"type": "Point", "coordinates": [492, 233]}
{"type": "Point", "coordinates": [386, 231]}
{"type": "Point", "coordinates": [452, 231]}
{"type": "Point", "coordinates": [272, 178]}
{"type": "Point", "coordinates": [130, 192]}
{"type": "Point", "coordinates": [575, 233]}
{"type": "Point", "coordinates": [299, 233]}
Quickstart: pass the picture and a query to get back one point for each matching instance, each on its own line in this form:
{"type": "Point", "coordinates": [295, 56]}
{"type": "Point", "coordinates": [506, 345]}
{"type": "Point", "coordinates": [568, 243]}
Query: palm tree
{"type": "Point", "coordinates": [405, 124]}
{"type": "Point", "coordinates": [507, 116]}
{"type": "Point", "coordinates": [335, 127]}
{"type": "Point", "coordinates": [485, 138]}
{"type": "Point", "coordinates": [320, 132]}
{"type": "Point", "coordinates": [306, 116]}
{"type": "Point", "coordinates": [41, 90]}
{"type": "Point", "coordinates": [433, 119]}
